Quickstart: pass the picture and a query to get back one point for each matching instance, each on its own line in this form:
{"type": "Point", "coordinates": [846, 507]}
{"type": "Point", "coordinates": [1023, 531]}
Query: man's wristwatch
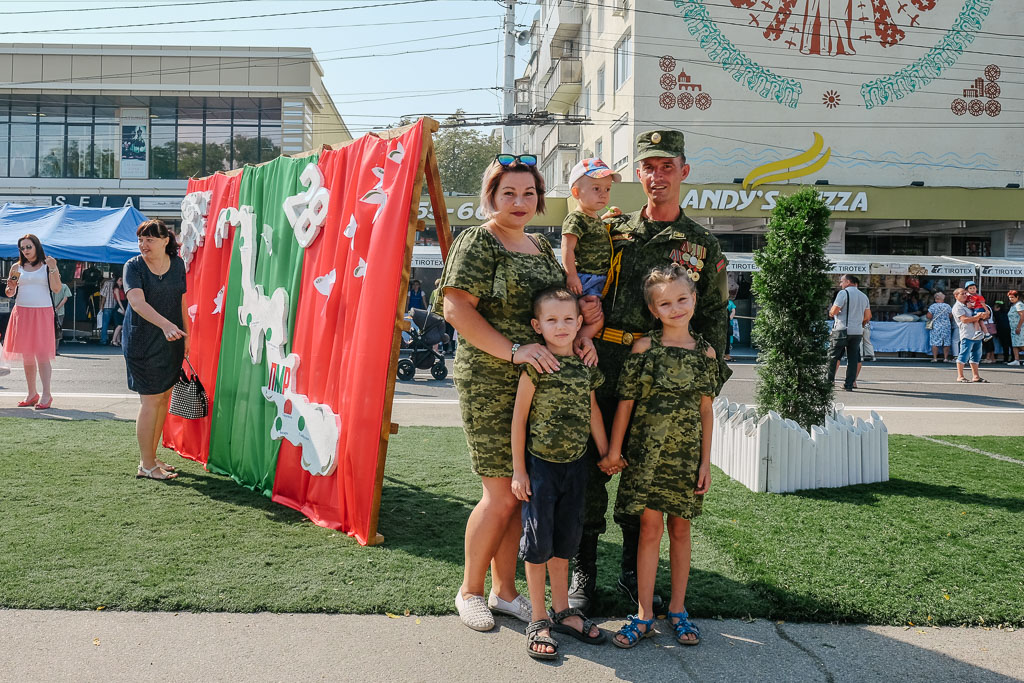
{"type": "Point", "coordinates": [515, 347]}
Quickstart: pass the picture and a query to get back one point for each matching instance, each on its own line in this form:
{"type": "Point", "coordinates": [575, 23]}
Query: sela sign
{"type": "Point", "coordinates": [97, 201]}
{"type": "Point", "coordinates": [738, 200]}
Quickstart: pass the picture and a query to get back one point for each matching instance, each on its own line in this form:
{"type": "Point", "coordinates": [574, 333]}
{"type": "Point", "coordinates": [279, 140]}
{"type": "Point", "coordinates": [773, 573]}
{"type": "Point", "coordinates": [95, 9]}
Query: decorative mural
{"type": "Point", "coordinates": [690, 92]}
{"type": "Point", "coordinates": [888, 83]}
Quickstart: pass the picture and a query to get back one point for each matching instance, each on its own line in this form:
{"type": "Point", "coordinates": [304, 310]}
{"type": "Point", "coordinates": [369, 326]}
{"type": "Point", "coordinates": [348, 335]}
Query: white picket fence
{"type": "Point", "coordinates": [777, 455]}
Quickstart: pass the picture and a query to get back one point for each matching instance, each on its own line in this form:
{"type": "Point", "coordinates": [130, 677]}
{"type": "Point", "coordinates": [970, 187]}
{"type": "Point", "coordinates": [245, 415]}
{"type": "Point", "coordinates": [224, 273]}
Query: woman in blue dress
{"type": "Point", "coordinates": [941, 316]}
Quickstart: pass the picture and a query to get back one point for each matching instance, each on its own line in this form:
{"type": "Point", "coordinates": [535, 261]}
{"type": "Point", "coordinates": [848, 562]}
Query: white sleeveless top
{"type": "Point", "coordinates": [34, 289]}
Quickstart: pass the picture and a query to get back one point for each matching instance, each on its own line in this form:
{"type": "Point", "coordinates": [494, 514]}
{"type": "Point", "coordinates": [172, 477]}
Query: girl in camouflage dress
{"type": "Point", "coordinates": [670, 379]}
{"type": "Point", "coordinates": [490, 278]}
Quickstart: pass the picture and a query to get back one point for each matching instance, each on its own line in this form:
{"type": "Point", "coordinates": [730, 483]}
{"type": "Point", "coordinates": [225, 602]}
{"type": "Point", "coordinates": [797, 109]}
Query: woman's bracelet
{"type": "Point", "coordinates": [52, 270]}
{"type": "Point", "coordinates": [512, 358]}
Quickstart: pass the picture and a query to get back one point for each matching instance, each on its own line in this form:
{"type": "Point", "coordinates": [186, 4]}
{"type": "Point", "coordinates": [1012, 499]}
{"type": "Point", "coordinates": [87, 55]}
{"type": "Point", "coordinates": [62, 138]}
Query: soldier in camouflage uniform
{"type": "Point", "coordinates": [657, 235]}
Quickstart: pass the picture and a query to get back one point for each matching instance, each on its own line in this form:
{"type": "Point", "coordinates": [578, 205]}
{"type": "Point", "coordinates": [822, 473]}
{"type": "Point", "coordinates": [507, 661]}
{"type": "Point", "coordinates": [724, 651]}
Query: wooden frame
{"type": "Point", "coordinates": [427, 171]}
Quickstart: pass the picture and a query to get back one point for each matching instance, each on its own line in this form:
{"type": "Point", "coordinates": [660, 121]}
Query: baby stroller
{"type": "Point", "coordinates": [426, 331]}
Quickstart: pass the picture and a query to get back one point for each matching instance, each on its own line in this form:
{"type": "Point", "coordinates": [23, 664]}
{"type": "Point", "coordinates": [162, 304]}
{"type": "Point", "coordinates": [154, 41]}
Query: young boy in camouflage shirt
{"type": "Point", "coordinates": [553, 416]}
{"type": "Point", "coordinates": [586, 246]}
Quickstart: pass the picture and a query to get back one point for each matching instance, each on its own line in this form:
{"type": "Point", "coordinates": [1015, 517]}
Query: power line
{"type": "Point", "coordinates": [272, 29]}
{"type": "Point", "coordinates": [121, 7]}
{"type": "Point", "coordinates": [250, 16]}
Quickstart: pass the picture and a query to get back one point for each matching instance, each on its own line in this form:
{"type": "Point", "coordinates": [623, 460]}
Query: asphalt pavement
{"type": "Point", "coordinates": [913, 397]}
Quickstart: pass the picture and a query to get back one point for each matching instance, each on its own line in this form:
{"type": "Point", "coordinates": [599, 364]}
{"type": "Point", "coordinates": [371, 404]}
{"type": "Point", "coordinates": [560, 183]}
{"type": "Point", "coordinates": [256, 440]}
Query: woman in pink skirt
{"type": "Point", "coordinates": [30, 332]}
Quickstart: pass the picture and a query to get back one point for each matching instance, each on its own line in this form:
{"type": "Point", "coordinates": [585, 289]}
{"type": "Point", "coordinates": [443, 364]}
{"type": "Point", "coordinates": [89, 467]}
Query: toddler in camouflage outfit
{"type": "Point", "coordinates": [554, 414]}
{"type": "Point", "coordinates": [586, 245]}
{"type": "Point", "coordinates": [669, 378]}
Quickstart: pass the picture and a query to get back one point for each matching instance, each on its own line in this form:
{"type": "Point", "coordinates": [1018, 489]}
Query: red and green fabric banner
{"type": "Point", "coordinates": [344, 331]}
{"type": "Point", "coordinates": [240, 443]}
{"type": "Point", "coordinates": [295, 353]}
{"type": "Point", "coordinates": [207, 279]}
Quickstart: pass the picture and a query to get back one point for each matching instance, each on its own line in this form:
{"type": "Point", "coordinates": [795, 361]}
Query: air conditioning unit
{"type": "Point", "coordinates": [619, 8]}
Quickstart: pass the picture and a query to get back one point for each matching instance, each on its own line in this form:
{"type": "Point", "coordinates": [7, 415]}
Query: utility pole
{"type": "Point", "coordinates": [510, 66]}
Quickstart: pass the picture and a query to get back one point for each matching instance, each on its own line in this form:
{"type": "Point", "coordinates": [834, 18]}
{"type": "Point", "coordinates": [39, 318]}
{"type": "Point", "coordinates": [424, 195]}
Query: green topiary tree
{"type": "Point", "coordinates": [792, 291]}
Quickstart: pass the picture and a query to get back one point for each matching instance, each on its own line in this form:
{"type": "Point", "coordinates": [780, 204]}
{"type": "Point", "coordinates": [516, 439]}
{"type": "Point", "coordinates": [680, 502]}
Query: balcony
{"type": "Point", "coordinates": [563, 20]}
{"type": "Point", "coordinates": [563, 85]}
{"type": "Point", "coordinates": [560, 138]}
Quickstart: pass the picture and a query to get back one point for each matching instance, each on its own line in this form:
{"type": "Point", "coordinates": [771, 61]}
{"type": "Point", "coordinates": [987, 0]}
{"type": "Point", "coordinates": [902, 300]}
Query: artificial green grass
{"type": "Point", "coordinates": [936, 544]}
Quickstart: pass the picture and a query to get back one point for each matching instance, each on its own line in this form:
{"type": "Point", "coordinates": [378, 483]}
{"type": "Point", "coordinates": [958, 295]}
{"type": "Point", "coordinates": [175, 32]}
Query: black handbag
{"type": "Point", "coordinates": [188, 398]}
{"type": "Point", "coordinates": [58, 331]}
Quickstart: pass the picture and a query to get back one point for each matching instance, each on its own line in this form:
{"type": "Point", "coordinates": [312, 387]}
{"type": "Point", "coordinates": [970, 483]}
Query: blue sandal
{"type": "Point", "coordinates": [682, 626]}
{"type": "Point", "coordinates": [631, 633]}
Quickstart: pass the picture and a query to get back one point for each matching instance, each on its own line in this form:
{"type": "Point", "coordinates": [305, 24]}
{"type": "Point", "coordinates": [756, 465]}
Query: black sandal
{"type": "Point", "coordinates": [534, 628]}
{"type": "Point", "coordinates": [584, 635]}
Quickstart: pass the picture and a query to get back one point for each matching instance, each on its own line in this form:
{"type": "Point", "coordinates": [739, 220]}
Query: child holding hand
{"type": "Point", "coordinates": [669, 379]}
{"type": "Point", "coordinates": [554, 414]}
{"type": "Point", "coordinates": [586, 245]}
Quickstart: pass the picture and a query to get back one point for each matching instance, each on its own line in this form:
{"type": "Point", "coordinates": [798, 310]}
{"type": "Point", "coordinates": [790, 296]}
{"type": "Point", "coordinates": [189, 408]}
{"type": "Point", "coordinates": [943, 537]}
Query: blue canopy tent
{"type": "Point", "coordinates": [71, 233]}
{"type": "Point", "coordinates": [74, 233]}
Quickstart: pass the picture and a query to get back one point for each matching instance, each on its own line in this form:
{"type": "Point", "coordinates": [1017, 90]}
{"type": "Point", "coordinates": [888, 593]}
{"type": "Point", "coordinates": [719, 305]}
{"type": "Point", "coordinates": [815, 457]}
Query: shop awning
{"type": "Point", "coordinates": [994, 267]}
{"type": "Point", "coordinates": [858, 264]}
{"type": "Point", "coordinates": [72, 232]}
{"type": "Point", "coordinates": [873, 264]}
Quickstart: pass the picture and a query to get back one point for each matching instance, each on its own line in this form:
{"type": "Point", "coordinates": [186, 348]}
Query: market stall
{"type": "Point", "coordinates": [88, 243]}
{"type": "Point", "coordinates": [892, 283]}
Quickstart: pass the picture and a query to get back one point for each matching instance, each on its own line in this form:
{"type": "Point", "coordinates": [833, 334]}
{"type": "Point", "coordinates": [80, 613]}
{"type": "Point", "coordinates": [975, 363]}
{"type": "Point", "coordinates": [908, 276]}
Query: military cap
{"type": "Point", "coordinates": [659, 143]}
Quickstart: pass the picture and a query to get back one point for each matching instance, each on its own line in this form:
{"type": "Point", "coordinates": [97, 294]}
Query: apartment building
{"type": "Point", "coordinates": [872, 102]}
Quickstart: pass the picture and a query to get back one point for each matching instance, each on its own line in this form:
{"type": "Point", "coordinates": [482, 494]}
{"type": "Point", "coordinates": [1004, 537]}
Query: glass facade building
{"type": "Point", "coordinates": [76, 136]}
{"type": "Point", "coordinates": [108, 125]}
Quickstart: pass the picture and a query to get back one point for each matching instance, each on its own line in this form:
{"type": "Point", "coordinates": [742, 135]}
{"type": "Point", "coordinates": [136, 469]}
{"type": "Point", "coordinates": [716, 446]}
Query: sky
{"type": "Point", "coordinates": [382, 59]}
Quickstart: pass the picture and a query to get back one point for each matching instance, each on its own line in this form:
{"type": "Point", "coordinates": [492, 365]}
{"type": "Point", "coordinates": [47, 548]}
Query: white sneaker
{"type": "Point", "coordinates": [1014, 362]}
{"type": "Point", "coordinates": [519, 608]}
{"type": "Point", "coordinates": [473, 612]}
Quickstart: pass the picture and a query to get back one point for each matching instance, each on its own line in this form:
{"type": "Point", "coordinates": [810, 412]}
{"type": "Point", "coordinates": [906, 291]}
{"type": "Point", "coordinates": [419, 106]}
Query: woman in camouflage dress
{"type": "Point", "coordinates": [669, 377]}
{"type": "Point", "coordinates": [490, 278]}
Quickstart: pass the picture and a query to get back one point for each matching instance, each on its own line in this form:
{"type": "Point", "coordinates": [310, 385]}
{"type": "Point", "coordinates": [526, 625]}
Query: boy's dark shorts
{"type": "Point", "coordinates": [553, 517]}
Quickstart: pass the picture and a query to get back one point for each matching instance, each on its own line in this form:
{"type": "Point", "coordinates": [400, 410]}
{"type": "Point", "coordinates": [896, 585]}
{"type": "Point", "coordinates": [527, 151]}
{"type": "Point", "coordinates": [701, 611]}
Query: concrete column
{"type": "Point", "coordinates": [837, 240]}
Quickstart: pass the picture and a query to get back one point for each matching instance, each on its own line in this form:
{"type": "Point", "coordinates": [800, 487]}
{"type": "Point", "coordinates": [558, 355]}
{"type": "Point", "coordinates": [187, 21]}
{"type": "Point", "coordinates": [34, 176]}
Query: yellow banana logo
{"type": "Point", "coordinates": [766, 173]}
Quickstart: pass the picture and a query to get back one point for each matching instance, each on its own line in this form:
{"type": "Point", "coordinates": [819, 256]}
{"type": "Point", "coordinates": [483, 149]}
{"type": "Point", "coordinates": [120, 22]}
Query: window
{"type": "Point", "coordinates": [622, 143]}
{"type": "Point", "coordinates": [163, 151]}
{"type": "Point", "coordinates": [79, 151]}
{"type": "Point", "coordinates": [586, 100]}
{"type": "Point", "coordinates": [600, 87]}
{"type": "Point", "coordinates": [23, 150]}
{"type": "Point", "coordinates": [599, 148]}
{"type": "Point", "coordinates": [107, 150]}
{"type": "Point", "coordinates": [4, 148]}
{"type": "Point", "coordinates": [79, 136]}
{"type": "Point", "coordinates": [623, 61]}
{"type": "Point", "coordinates": [51, 151]}
{"type": "Point", "coordinates": [600, 16]}
{"type": "Point", "coordinates": [585, 38]}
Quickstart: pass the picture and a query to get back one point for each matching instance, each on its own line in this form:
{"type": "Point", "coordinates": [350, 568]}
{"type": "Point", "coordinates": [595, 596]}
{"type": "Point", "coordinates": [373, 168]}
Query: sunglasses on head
{"type": "Point", "coordinates": [524, 159]}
